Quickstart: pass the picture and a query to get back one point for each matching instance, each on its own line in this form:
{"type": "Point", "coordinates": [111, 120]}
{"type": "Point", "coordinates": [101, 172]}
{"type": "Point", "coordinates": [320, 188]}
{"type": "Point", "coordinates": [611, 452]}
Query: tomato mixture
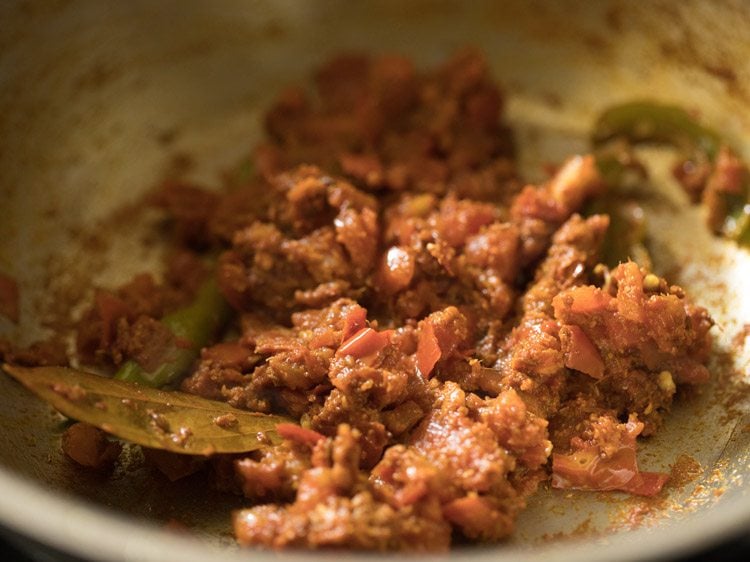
{"type": "Point", "coordinates": [444, 332]}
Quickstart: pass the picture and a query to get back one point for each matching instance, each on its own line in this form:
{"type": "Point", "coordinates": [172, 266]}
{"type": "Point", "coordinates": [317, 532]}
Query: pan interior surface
{"type": "Point", "coordinates": [101, 99]}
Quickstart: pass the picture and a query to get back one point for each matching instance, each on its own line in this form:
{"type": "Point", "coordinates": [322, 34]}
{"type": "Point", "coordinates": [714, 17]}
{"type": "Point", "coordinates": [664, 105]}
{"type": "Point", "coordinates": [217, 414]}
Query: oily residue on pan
{"type": "Point", "coordinates": [686, 45]}
{"type": "Point", "coordinates": [692, 486]}
{"type": "Point", "coordinates": [684, 471]}
{"type": "Point", "coordinates": [585, 528]}
{"type": "Point", "coordinates": [732, 389]}
{"type": "Point", "coordinates": [126, 240]}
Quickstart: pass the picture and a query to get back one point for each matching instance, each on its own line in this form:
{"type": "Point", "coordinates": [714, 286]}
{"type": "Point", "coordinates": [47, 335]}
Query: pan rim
{"type": "Point", "coordinates": [76, 527]}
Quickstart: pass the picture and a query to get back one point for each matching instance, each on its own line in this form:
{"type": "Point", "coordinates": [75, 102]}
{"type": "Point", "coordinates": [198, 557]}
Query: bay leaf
{"type": "Point", "coordinates": [168, 420]}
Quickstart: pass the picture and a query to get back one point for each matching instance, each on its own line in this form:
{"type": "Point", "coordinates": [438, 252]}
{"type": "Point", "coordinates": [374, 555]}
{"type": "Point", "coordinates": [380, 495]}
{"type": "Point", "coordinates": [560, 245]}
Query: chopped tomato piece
{"type": "Point", "coordinates": [428, 349]}
{"type": "Point", "coordinates": [441, 335]}
{"type": "Point", "coordinates": [354, 321]}
{"type": "Point", "coordinates": [583, 300]}
{"type": "Point", "coordinates": [365, 344]}
{"type": "Point", "coordinates": [581, 354]}
{"type": "Point", "coordinates": [460, 219]}
{"type": "Point", "coordinates": [588, 469]}
{"type": "Point", "coordinates": [299, 434]}
{"type": "Point", "coordinates": [646, 483]}
{"type": "Point", "coordinates": [110, 308]}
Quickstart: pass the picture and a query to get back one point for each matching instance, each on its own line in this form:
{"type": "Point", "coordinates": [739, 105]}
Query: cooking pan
{"type": "Point", "coordinates": [99, 100]}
